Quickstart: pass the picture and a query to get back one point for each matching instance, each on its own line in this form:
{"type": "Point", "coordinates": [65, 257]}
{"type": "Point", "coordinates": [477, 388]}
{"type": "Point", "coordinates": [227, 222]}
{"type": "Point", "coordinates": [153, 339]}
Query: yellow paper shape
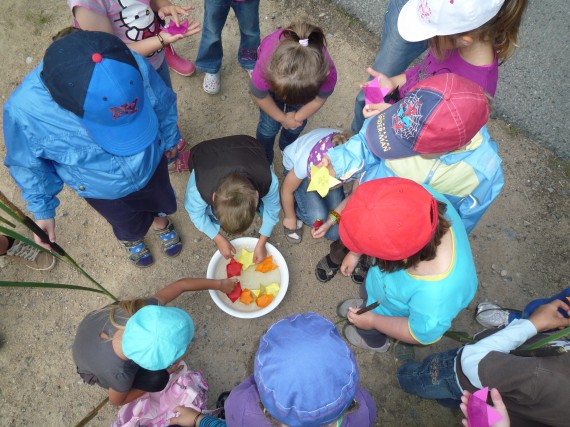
{"type": "Point", "coordinates": [272, 289]}
{"type": "Point", "coordinates": [255, 292]}
{"type": "Point", "coordinates": [266, 265]}
{"type": "Point", "coordinates": [321, 181]}
{"type": "Point", "coordinates": [245, 259]}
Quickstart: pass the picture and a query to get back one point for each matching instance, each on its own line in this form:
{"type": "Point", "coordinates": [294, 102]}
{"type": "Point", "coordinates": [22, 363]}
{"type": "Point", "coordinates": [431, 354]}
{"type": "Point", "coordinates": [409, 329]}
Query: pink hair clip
{"type": "Point", "coordinates": [304, 42]}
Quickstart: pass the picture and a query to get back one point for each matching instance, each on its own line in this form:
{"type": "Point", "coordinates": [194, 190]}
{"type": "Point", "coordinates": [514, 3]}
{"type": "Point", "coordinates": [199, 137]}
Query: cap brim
{"type": "Point", "coordinates": [410, 27]}
{"type": "Point", "coordinates": [130, 138]}
{"type": "Point", "coordinates": [397, 149]}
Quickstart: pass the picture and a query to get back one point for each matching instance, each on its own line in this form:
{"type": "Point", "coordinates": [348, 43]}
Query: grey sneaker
{"type": "Point", "coordinates": [491, 315]}
{"type": "Point", "coordinates": [31, 257]}
{"type": "Point", "coordinates": [354, 338]}
{"type": "Point", "coordinates": [342, 308]}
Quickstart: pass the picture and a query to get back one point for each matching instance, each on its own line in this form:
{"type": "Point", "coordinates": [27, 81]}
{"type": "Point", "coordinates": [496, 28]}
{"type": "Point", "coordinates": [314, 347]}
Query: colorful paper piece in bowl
{"type": "Point", "coordinates": [264, 300]}
{"type": "Point", "coordinates": [236, 293]}
{"type": "Point", "coordinates": [246, 297]}
{"type": "Point", "coordinates": [245, 259]}
{"type": "Point", "coordinates": [174, 29]}
{"type": "Point", "coordinates": [321, 181]}
{"type": "Point", "coordinates": [233, 268]}
{"type": "Point", "coordinates": [479, 414]}
{"type": "Point", "coordinates": [373, 93]}
{"type": "Point", "coordinates": [271, 289]}
{"type": "Point", "coordinates": [266, 265]}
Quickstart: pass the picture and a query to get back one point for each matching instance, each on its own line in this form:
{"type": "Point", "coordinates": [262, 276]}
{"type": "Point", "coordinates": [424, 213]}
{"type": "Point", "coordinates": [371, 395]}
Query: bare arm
{"type": "Point", "coordinates": [290, 184]}
{"type": "Point", "coordinates": [270, 107]}
{"type": "Point", "coordinates": [174, 290]}
{"type": "Point", "coordinates": [309, 109]}
{"type": "Point", "coordinates": [392, 326]}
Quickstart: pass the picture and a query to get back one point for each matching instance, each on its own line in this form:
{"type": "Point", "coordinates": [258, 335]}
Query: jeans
{"type": "Point", "coordinates": [434, 378]}
{"type": "Point", "coordinates": [164, 73]}
{"type": "Point", "coordinates": [311, 206]}
{"type": "Point", "coordinates": [268, 128]}
{"type": "Point", "coordinates": [394, 56]}
{"type": "Point", "coordinates": [210, 52]}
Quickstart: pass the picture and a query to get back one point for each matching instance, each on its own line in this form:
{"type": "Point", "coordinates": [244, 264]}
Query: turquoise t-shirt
{"type": "Point", "coordinates": [429, 302]}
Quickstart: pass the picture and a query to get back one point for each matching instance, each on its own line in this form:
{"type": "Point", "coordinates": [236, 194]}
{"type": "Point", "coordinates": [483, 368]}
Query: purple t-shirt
{"type": "Point", "coordinates": [243, 408]}
{"type": "Point", "coordinates": [485, 76]}
{"type": "Point", "coordinates": [131, 20]}
{"type": "Point", "coordinates": [259, 86]}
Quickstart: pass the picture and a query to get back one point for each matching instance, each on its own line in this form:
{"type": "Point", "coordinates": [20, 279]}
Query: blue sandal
{"type": "Point", "coordinates": [139, 255]}
{"type": "Point", "coordinates": [169, 240]}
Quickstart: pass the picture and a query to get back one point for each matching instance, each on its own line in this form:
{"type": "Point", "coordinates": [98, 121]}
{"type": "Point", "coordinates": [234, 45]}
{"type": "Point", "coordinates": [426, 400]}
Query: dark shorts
{"type": "Point", "coordinates": [131, 216]}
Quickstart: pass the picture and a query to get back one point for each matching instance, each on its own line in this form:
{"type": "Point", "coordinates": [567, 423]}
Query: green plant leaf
{"type": "Point", "coordinates": [9, 211]}
{"type": "Point", "coordinates": [20, 237]}
{"type": "Point", "coordinates": [460, 336]}
{"type": "Point", "coordinates": [552, 337]}
{"type": "Point", "coordinates": [5, 221]}
{"type": "Point", "coordinates": [9, 284]}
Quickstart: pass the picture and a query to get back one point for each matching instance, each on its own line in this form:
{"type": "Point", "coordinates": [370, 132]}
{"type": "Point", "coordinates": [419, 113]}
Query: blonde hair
{"type": "Point", "coordinates": [339, 138]}
{"type": "Point", "coordinates": [296, 72]}
{"type": "Point", "coordinates": [502, 30]}
{"type": "Point", "coordinates": [235, 203]}
{"type": "Point", "coordinates": [130, 307]}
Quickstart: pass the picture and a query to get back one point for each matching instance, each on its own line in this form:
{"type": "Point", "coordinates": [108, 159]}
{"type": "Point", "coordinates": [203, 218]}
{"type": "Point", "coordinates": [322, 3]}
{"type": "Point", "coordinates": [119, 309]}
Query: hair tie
{"type": "Point", "coordinates": [304, 42]}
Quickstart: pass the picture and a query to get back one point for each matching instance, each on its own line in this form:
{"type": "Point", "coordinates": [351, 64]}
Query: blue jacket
{"type": "Point", "coordinates": [47, 146]}
{"type": "Point", "coordinates": [470, 178]}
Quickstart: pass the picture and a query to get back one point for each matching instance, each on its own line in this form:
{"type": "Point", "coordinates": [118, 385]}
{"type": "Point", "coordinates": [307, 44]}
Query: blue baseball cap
{"type": "Point", "coordinates": [96, 77]}
{"type": "Point", "coordinates": [155, 336]}
{"type": "Point", "coordinates": [305, 373]}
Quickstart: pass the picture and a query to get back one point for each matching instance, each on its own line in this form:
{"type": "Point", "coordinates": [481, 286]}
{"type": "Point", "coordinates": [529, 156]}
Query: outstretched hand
{"type": "Point", "coordinates": [193, 28]}
{"type": "Point", "coordinates": [349, 263]}
{"type": "Point", "coordinates": [548, 317]}
{"type": "Point", "coordinates": [173, 11]}
{"type": "Point", "coordinates": [48, 225]}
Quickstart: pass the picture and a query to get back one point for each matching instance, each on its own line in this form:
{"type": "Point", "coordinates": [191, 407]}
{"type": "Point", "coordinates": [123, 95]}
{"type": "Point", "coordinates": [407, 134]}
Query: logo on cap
{"type": "Point", "coordinates": [126, 108]}
{"type": "Point", "coordinates": [406, 122]}
{"type": "Point", "coordinates": [424, 11]}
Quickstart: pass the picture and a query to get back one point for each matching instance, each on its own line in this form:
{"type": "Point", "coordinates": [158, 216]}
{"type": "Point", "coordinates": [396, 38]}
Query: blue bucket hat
{"type": "Point", "coordinates": [306, 375]}
{"type": "Point", "coordinates": [96, 77]}
{"type": "Point", "coordinates": [155, 336]}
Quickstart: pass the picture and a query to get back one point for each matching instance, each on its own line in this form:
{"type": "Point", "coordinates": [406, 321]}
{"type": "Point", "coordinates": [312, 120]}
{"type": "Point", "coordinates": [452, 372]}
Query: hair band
{"type": "Point", "coordinates": [304, 42]}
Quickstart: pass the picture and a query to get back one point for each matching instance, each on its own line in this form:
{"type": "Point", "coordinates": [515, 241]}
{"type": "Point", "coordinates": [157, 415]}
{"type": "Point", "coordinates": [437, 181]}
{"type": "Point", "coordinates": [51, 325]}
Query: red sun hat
{"type": "Point", "coordinates": [389, 218]}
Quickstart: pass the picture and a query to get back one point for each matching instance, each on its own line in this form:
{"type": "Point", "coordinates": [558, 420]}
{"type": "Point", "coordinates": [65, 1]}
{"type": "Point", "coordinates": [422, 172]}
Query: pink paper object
{"type": "Point", "coordinates": [173, 29]}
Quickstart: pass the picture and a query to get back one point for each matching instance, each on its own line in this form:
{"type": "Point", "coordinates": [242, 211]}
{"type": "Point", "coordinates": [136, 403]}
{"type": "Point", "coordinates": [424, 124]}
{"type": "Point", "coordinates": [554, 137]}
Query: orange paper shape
{"type": "Point", "coordinates": [264, 300]}
{"type": "Point", "coordinates": [266, 265]}
{"type": "Point", "coordinates": [235, 294]}
{"type": "Point", "coordinates": [233, 268]}
{"type": "Point", "coordinates": [246, 297]}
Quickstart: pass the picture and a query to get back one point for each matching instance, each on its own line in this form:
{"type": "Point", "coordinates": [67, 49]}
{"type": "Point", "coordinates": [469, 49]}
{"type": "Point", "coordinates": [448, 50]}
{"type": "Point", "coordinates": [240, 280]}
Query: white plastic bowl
{"type": "Point", "coordinates": [249, 243]}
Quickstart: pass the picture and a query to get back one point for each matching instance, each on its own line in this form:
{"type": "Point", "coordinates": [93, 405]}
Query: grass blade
{"type": "Point", "coordinates": [9, 284]}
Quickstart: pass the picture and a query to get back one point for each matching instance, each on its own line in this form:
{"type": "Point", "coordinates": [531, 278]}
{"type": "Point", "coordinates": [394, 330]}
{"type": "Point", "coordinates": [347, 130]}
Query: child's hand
{"type": "Point", "coordinates": [228, 285]}
{"type": "Point", "coordinates": [317, 233]}
{"type": "Point", "coordinates": [383, 80]}
{"type": "Point", "coordinates": [371, 110]}
{"type": "Point", "coordinates": [171, 154]}
{"type": "Point", "coordinates": [498, 404]}
{"type": "Point", "coordinates": [548, 317]}
{"type": "Point", "coordinates": [290, 223]}
{"type": "Point", "coordinates": [259, 253]}
{"type": "Point", "coordinates": [290, 122]}
{"type": "Point", "coordinates": [224, 246]}
{"type": "Point", "coordinates": [363, 321]}
{"type": "Point", "coordinates": [185, 416]}
{"type": "Point", "coordinates": [193, 28]}
{"type": "Point", "coordinates": [349, 263]}
{"type": "Point", "coordinates": [173, 11]}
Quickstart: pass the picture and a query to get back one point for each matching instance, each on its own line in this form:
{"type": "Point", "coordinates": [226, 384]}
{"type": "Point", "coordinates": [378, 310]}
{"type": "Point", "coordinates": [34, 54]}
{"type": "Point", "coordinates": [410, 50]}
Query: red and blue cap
{"type": "Point", "coordinates": [440, 114]}
{"type": "Point", "coordinates": [95, 76]}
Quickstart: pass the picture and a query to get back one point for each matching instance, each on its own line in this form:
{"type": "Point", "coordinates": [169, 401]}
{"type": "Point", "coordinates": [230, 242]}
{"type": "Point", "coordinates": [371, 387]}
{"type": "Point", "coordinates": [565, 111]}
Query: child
{"type": "Point", "coordinates": [230, 181]}
{"type": "Point", "coordinates": [123, 120]}
{"type": "Point", "coordinates": [135, 23]}
{"type": "Point", "coordinates": [210, 52]}
{"type": "Point", "coordinates": [424, 272]}
{"type": "Point", "coordinates": [296, 200]}
{"type": "Point", "coordinates": [416, 139]}
{"type": "Point", "coordinates": [129, 347]}
{"type": "Point", "coordinates": [534, 388]}
{"type": "Point", "coordinates": [293, 384]}
{"type": "Point", "coordinates": [468, 38]}
{"type": "Point", "coordinates": [292, 79]}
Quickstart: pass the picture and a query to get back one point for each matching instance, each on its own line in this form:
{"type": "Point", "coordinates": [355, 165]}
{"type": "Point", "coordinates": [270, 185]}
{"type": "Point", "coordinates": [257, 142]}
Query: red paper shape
{"type": "Point", "coordinates": [236, 293]}
{"type": "Point", "coordinates": [173, 29]}
{"type": "Point", "coordinates": [233, 268]}
{"type": "Point", "coordinates": [317, 223]}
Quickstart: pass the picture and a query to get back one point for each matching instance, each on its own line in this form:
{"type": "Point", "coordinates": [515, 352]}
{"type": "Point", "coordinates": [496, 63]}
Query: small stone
{"type": "Point", "coordinates": [29, 60]}
{"type": "Point", "coordinates": [224, 97]}
{"type": "Point", "coordinates": [208, 307]}
{"type": "Point", "coordinates": [197, 256]}
{"type": "Point", "coordinates": [321, 14]}
{"type": "Point", "coordinates": [493, 267]}
{"type": "Point", "coordinates": [550, 190]}
{"type": "Point", "coordinates": [339, 124]}
{"type": "Point", "coordinates": [503, 273]}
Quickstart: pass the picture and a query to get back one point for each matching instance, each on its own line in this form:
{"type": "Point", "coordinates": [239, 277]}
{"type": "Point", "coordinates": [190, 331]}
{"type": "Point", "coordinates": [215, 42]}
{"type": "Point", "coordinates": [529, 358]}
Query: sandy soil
{"type": "Point", "coordinates": [519, 246]}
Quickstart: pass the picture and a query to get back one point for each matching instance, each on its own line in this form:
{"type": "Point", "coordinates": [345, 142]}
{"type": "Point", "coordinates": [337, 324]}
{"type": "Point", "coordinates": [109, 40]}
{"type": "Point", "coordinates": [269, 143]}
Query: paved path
{"type": "Point", "coordinates": [534, 86]}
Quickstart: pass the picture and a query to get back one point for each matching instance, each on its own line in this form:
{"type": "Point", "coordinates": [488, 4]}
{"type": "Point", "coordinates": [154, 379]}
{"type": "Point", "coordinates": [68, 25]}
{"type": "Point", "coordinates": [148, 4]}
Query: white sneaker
{"type": "Point", "coordinates": [491, 315]}
{"type": "Point", "coordinates": [32, 257]}
{"type": "Point", "coordinates": [212, 83]}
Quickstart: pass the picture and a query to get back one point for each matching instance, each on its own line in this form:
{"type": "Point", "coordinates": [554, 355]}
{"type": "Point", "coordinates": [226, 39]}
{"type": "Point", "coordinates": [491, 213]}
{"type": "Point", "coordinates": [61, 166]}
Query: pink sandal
{"type": "Point", "coordinates": [182, 162]}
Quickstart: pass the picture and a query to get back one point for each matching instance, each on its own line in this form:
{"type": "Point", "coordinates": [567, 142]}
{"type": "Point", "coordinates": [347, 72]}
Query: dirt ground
{"type": "Point", "coordinates": [519, 246]}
